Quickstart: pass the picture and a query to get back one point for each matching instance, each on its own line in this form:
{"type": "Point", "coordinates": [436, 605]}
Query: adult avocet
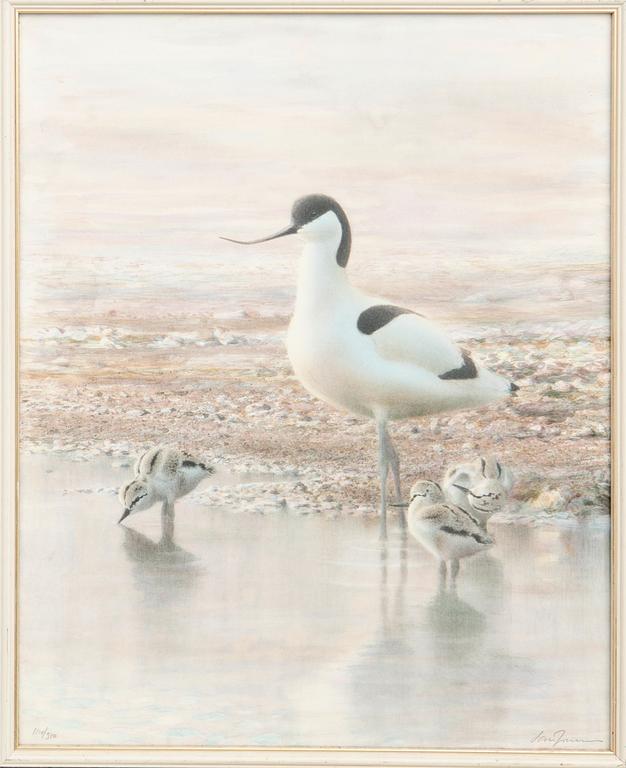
{"type": "Point", "coordinates": [364, 354]}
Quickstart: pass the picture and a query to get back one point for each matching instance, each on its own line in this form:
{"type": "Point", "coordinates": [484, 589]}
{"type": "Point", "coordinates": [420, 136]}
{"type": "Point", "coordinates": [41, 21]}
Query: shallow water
{"type": "Point", "coordinates": [284, 629]}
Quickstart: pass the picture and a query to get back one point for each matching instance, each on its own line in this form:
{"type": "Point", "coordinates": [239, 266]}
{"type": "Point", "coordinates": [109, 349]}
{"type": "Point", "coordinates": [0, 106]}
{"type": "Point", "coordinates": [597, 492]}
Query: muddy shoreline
{"type": "Point", "coordinates": [223, 387]}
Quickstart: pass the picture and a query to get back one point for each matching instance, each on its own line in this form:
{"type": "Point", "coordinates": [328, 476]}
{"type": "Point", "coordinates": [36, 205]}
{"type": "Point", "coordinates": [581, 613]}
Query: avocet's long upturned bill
{"type": "Point", "coordinates": [364, 354]}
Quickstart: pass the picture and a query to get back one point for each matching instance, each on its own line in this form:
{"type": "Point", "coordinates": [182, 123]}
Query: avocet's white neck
{"type": "Point", "coordinates": [321, 281]}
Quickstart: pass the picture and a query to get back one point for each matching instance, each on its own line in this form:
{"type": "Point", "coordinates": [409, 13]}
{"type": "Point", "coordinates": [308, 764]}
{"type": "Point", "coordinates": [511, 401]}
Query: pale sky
{"type": "Point", "coordinates": [480, 136]}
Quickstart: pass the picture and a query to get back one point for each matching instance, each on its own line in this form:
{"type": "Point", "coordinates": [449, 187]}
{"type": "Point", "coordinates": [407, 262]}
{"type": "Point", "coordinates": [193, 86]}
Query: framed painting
{"type": "Point", "coordinates": [311, 411]}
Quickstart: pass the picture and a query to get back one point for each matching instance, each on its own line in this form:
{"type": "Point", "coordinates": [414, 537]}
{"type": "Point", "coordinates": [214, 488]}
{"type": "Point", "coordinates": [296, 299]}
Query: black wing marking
{"type": "Point", "coordinates": [462, 532]}
{"type": "Point", "coordinates": [456, 531]}
{"type": "Point", "coordinates": [202, 465]}
{"type": "Point", "coordinates": [153, 460]}
{"type": "Point", "coordinates": [467, 371]}
{"type": "Point", "coordinates": [464, 513]}
{"type": "Point", "coordinates": [376, 317]}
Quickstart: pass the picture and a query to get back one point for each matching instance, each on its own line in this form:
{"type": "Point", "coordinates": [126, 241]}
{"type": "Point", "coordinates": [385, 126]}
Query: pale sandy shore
{"type": "Point", "coordinates": [221, 385]}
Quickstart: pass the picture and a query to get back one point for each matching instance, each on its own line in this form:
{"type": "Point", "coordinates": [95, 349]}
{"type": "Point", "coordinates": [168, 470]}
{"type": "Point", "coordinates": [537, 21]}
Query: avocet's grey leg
{"type": "Point", "coordinates": [394, 462]}
{"type": "Point", "coordinates": [383, 466]}
{"type": "Point", "coordinates": [454, 570]}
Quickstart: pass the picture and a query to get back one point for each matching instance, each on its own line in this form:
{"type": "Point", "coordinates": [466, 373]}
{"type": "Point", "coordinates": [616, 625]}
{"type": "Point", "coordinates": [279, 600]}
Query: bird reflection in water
{"type": "Point", "coordinates": [483, 582]}
{"type": "Point", "coordinates": [446, 614]}
{"type": "Point", "coordinates": [385, 671]}
{"type": "Point", "coordinates": [392, 613]}
{"type": "Point", "coordinates": [452, 620]}
{"type": "Point", "coordinates": [397, 675]}
{"type": "Point", "coordinates": [161, 569]}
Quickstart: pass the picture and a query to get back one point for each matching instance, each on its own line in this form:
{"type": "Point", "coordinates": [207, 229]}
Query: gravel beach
{"type": "Point", "coordinates": [220, 384]}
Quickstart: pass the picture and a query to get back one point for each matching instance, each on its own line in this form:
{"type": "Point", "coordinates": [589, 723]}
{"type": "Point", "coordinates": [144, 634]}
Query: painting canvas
{"type": "Point", "coordinates": [345, 481]}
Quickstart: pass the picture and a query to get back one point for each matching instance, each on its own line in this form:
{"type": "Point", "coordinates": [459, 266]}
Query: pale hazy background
{"type": "Point", "coordinates": [458, 144]}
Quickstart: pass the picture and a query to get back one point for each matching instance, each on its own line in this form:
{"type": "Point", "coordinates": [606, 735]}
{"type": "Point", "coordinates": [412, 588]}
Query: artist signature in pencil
{"type": "Point", "coordinates": [560, 736]}
{"type": "Point", "coordinates": [45, 734]}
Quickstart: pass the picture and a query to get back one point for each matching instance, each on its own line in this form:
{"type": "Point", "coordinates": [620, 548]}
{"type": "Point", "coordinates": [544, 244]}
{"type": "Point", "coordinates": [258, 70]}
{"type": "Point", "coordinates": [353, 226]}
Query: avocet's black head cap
{"type": "Point", "coordinates": [305, 210]}
{"type": "Point", "coordinates": [311, 207]}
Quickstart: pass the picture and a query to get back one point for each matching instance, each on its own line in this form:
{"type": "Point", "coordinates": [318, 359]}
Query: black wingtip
{"type": "Point", "coordinates": [514, 387]}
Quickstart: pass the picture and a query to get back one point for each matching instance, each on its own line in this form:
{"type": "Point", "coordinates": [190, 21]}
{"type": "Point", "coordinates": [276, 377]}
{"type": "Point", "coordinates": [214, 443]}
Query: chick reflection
{"type": "Point", "coordinates": [483, 583]}
{"type": "Point", "coordinates": [161, 569]}
{"type": "Point", "coordinates": [454, 623]}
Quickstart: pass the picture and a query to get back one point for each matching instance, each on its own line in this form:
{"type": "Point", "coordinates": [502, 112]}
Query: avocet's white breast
{"type": "Point", "coordinates": [323, 345]}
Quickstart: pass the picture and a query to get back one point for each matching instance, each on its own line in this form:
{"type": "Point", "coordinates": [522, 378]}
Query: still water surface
{"type": "Point", "coordinates": [283, 629]}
